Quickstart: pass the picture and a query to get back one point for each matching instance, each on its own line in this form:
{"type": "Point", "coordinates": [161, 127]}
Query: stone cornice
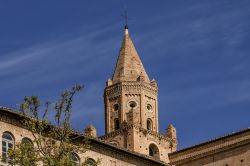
{"type": "Point", "coordinates": [10, 116]}
{"type": "Point", "coordinates": [125, 128]}
{"type": "Point", "coordinates": [131, 87]}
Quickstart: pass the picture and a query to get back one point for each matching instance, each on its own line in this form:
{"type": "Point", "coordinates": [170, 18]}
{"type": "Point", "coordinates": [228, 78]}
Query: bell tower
{"type": "Point", "coordinates": [130, 96]}
{"type": "Point", "coordinates": [131, 106]}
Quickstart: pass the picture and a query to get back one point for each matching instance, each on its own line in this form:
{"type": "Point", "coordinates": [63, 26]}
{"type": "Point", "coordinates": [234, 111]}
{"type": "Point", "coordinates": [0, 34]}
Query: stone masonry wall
{"type": "Point", "coordinates": [109, 156]}
{"type": "Point", "coordinates": [234, 157]}
{"type": "Point", "coordinates": [231, 150]}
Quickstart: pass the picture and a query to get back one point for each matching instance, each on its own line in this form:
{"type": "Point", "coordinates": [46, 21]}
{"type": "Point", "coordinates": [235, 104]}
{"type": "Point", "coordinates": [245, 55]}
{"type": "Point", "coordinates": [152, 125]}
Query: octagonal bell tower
{"type": "Point", "coordinates": [130, 96]}
{"type": "Point", "coordinates": [131, 107]}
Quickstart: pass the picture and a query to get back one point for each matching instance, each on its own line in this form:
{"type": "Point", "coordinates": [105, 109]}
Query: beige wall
{"type": "Point", "coordinates": [108, 156]}
{"type": "Point", "coordinates": [234, 157]}
{"type": "Point", "coordinates": [142, 142]}
{"type": "Point", "coordinates": [18, 133]}
{"type": "Point", "coordinates": [139, 140]}
{"type": "Point", "coordinates": [230, 150]}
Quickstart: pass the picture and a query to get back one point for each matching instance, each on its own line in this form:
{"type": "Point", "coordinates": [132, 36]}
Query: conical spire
{"type": "Point", "coordinates": [129, 66]}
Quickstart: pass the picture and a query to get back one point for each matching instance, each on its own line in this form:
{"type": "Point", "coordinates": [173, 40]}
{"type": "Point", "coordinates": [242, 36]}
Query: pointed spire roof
{"type": "Point", "coordinates": [129, 66]}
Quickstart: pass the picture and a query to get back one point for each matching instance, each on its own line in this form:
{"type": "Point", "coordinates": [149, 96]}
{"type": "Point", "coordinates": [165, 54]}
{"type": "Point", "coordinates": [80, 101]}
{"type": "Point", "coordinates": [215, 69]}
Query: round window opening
{"type": "Point", "coordinates": [116, 107]}
{"type": "Point", "coordinates": [132, 104]}
{"type": "Point", "coordinates": [149, 107]}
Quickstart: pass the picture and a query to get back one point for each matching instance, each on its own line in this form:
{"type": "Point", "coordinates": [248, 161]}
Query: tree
{"type": "Point", "coordinates": [53, 142]}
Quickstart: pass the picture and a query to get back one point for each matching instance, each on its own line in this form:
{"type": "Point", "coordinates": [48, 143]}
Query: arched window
{"type": "Point", "coordinates": [151, 152]}
{"type": "Point", "coordinates": [7, 144]}
{"type": "Point", "coordinates": [149, 124]}
{"type": "Point", "coordinates": [154, 151]}
{"type": "Point", "coordinates": [75, 159]}
{"type": "Point", "coordinates": [28, 150]}
{"type": "Point", "coordinates": [117, 124]}
{"type": "Point", "coordinates": [90, 162]}
{"type": "Point", "coordinates": [27, 141]}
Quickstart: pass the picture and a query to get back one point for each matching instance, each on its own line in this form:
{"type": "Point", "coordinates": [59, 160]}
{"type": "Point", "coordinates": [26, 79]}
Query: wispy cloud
{"type": "Point", "coordinates": [197, 50]}
{"type": "Point", "coordinates": [61, 63]}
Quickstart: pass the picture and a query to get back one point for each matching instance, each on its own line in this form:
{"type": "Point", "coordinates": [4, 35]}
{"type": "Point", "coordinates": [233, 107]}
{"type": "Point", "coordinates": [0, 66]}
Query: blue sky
{"type": "Point", "coordinates": [198, 51]}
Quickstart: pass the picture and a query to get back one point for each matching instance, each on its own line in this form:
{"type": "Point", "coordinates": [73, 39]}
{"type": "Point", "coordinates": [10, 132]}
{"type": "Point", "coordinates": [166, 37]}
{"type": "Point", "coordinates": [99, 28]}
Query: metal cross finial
{"type": "Point", "coordinates": [125, 16]}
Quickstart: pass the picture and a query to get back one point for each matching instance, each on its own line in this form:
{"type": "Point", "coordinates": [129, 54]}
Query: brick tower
{"type": "Point", "coordinates": [131, 107]}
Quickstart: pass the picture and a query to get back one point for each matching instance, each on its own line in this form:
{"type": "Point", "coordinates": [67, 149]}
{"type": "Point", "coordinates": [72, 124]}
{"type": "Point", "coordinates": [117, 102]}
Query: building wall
{"type": "Point", "coordinates": [109, 156]}
{"type": "Point", "coordinates": [139, 139]}
{"type": "Point", "coordinates": [231, 150]}
{"type": "Point", "coordinates": [234, 157]}
{"type": "Point", "coordinates": [142, 141]}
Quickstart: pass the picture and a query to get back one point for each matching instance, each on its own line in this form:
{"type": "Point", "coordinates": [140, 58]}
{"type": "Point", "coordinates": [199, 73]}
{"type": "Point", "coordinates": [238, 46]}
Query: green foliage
{"type": "Point", "coordinates": [52, 140]}
{"type": "Point", "coordinates": [24, 155]}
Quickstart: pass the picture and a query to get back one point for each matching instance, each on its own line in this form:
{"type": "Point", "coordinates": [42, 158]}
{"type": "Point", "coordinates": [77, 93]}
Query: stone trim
{"type": "Point", "coordinates": [127, 86]}
{"type": "Point", "coordinates": [125, 128]}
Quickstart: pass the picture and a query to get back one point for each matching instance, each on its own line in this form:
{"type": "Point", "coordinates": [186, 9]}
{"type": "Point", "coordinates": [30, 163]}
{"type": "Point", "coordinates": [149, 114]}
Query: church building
{"type": "Point", "coordinates": [132, 136]}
